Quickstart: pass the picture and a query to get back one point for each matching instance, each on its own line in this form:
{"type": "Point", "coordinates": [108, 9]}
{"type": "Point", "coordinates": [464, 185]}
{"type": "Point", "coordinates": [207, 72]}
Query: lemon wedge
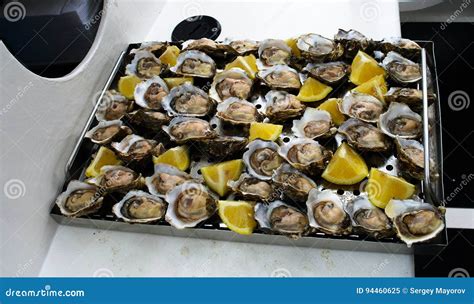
{"type": "Point", "coordinates": [127, 84]}
{"type": "Point", "coordinates": [177, 156]}
{"type": "Point", "coordinates": [265, 131]}
{"type": "Point", "coordinates": [313, 90]}
{"type": "Point", "coordinates": [172, 82]}
{"type": "Point", "coordinates": [346, 167]}
{"type": "Point", "coordinates": [382, 187]}
{"type": "Point", "coordinates": [170, 56]}
{"type": "Point", "coordinates": [247, 63]}
{"type": "Point", "coordinates": [104, 157]}
{"type": "Point", "coordinates": [291, 42]}
{"type": "Point", "coordinates": [376, 86]}
{"type": "Point", "coordinates": [216, 176]}
{"type": "Point", "coordinates": [363, 68]}
{"type": "Point", "coordinates": [332, 106]}
{"type": "Point", "coordinates": [238, 216]}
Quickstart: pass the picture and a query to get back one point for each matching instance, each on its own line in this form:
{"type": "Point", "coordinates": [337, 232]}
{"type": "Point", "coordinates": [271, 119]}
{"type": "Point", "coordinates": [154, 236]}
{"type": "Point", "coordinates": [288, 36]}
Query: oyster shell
{"type": "Point", "coordinates": [231, 83]}
{"type": "Point", "coordinates": [182, 129]}
{"type": "Point", "coordinates": [134, 147]}
{"type": "Point", "coordinates": [189, 204]}
{"type": "Point", "coordinates": [314, 123]}
{"type": "Point", "coordinates": [401, 121]}
{"type": "Point", "coordinates": [400, 45]}
{"type": "Point", "coordinates": [400, 69]}
{"type": "Point", "coordinates": [238, 111]}
{"type": "Point", "coordinates": [165, 178]}
{"type": "Point", "coordinates": [139, 207]}
{"type": "Point", "coordinates": [280, 77]}
{"type": "Point", "coordinates": [410, 96]}
{"type": "Point", "coordinates": [224, 146]}
{"type": "Point", "coordinates": [208, 46]}
{"type": "Point", "coordinates": [306, 155]}
{"type": "Point", "coordinates": [352, 41]}
{"type": "Point", "coordinates": [318, 48]}
{"type": "Point", "coordinates": [149, 94]}
{"type": "Point", "coordinates": [152, 120]}
{"type": "Point", "coordinates": [105, 131]}
{"type": "Point", "coordinates": [155, 47]}
{"type": "Point", "coordinates": [414, 221]}
{"type": "Point", "coordinates": [274, 52]}
{"type": "Point", "coordinates": [244, 47]}
{"type": "Point", "coordinates": [282, 218]}
{"type": "Point", "coordinates": [194, 63]}
{"type": "Point", "coordinates": [326, 212]}
{"type": "Point", "coordinates": [79, 199]}
{"type": "Point", "coordinates": [113, 106]}
{"type": "Point", "coordinates": [368, 218]}
{"type": "Point", "coordinates": [252, 188]}
{"type": "Point", "coordinates": [364, 136]}
{"type": "Point", "coordinates": [361, 106]}
{"type": "Point", "coordinates": [292, 183]}
{"type": "Point", "coordinates": [187, 100]}
{"type": "Point", "coordinates": [281, 105]}
{"type": "Point", "coordinates": [262, 158]}
{"type": "Point", "coordinates": [117, 178]}
{"type": "Point", "coordinates": [145, 65]}
{"type": "Point", "coordinates": [330, 73]}
{"type": "Point", "coordinates": [411, 154]}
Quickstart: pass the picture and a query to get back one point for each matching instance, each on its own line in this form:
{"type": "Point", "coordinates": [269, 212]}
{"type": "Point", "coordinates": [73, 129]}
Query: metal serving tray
{"type": "Point", "coordinates": [431, 188]}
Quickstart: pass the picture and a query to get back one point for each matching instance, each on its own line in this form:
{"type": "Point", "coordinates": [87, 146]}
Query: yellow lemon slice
{"type": "Point", "coordinates": [382, 187]}
{"type": "Point", "coordinates": [104, 157]}
{"type": "Point", "coordinates": [331, 105]}
{"type": "Point", "coordinates": [238, 216]}
{"type": "Point", "coordinates": [364, 68]}
{"type": "Point", "coordinates": [170, 56]}
{"type": "Point", "coordinates": [172, 82]}
{"type": "Point", "coordinates": [291, 42]}
{"type": "Point", "coordinates": [247, 63]}
{"type": "Point", "coordinates": [127, 84]}
{"type": "Point", "coordinates": [265, 131]}
{"type": "Point", "coordinates": [376, 86]}
{"type": "Point", "coordinates": [346, 167]}
{"type": "Point", "coordinates": [313, 90]}
{"type": "Point", "coordinates": [178, 157]}
{"type": "Point", "coordinates": [216, 176]}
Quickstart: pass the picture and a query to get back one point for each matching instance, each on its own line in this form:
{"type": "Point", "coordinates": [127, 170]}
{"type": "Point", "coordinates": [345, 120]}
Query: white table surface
{"type": "Point", "coordinates": [39, 246]}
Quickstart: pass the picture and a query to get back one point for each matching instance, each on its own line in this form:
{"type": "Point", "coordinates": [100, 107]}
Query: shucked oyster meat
{"type": "Point", "coordinates": [182, 129]}
{"type": "Point", "coordinates": [272, 52]}
{"type": "Point", "coordinates": [401, 121]}
{"type": "Point", "coordinates": [238, 111]}
{"type": "Point", "coordinates": [306, 155]}
{"type": "Point", "coordinates": [400, 69]}
{"type": "Point", "coordinates": [79, 199]}
{"type": "Point", "coordinates": [139, 207]}
{"type": "Point", "coordinates": [318, 48]}
{"type": "Point", "coordinates": [262, 158]}
{"type": "Point", "coordinates": [368, 218]}
{"type": "Point", "coordinates": [113, 106]}
{"type": "Point", "coordinates": [281, 106]}
{"type": "Point", "coordinates": [194, 63]}
{"type": "Point", "coordinates": [282, 218]}
{"type": "Point", "coordinates": [361, 106]}
{"type": "Point", "coordinates": [330, 73]}
{"type": "Point", "coordinates": [314, 123]}
{"type": "Point", "coordinates": [411, 154]}
{"type": "Point", "coordinates": [326, 212]}
{"type": "Point", "coordinates": [189, 204]}
{"type": "Point", "coordinates": [150, 93]}
{"type": "Point", "coordinates": [293, 184]}
{"type": "Point", "coordinates": [280, 77]}
{"type": "Point", "coordinates": [364, 136]}
{"type": "Point", "coordinates": [187, 100]}
{"type": "Point", "coordinates": [165, 178]}
{"type": "Point", "coordinates": [231, 83]}
{"type": "Point", "coordinates": [134, 147]}
{"type": "Point", "coordinates": [106, 131]}
{"type": "Point", "coordinates": [145, 65]}
{"type": "Point", "coordinates": [252, 188]}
